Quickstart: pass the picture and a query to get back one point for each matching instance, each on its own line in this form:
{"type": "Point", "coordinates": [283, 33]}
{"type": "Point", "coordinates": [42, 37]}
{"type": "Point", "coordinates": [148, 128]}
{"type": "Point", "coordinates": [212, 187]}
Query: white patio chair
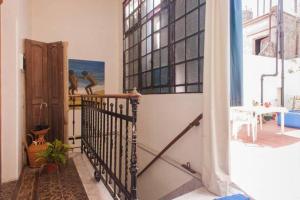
{"type": "Point", "coordinates": [238, 119]}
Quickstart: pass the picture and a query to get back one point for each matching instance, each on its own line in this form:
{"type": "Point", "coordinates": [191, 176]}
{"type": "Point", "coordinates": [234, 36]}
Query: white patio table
{"type": "Point", "coordinates": [258, 111]}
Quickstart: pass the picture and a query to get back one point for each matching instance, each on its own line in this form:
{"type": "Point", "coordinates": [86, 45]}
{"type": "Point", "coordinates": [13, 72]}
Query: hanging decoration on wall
{"type": "Point", "coordinates": [86, 77]}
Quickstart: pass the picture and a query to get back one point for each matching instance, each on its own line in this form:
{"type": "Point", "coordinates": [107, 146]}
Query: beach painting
{"type": "Point", "coordinates": [86, 77]}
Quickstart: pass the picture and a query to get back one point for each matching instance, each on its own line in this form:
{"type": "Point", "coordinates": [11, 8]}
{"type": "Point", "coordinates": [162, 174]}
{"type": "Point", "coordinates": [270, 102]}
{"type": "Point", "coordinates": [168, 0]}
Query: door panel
{"type": "Point", "coordinates": [36, 83]}
{"type": "Point", "coordinates": [56, 89]}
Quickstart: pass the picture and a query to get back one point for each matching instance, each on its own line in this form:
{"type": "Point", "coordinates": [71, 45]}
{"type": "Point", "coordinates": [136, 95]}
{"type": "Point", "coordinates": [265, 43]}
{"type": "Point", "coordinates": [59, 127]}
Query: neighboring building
{"type": "Point", "coordinates": [260, 34]}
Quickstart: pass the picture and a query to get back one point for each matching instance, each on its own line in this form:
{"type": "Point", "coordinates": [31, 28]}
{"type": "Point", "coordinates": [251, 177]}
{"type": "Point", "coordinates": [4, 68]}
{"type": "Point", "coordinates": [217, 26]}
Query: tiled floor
{"type": "Point", "coordinates": [94, 190]}
{"type": "Point", "coordinates": [268, 169]}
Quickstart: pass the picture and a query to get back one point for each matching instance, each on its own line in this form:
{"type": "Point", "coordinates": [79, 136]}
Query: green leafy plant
{"type": "Point", "coordinates": [55, 153]}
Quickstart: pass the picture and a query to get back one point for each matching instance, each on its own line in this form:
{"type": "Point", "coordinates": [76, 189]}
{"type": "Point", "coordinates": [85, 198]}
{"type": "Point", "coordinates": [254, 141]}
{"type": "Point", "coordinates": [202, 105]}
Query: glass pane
{"type": "Point", "coordinates": [156, 41]}
{"type": "Point", "coordinates": [126, 70]}
{"type": "Point", "coordinates": [164, 57]}
{"type": "Point", "coordinates": [131, 6]}
{"type": "Point", "coordinates": [136, 36]}
{"type": "Point", "coordinates": [135, 82]}
{"type": "Point", "coordinates": [136, 67]}
{"type": "Point", "coordinates": [127, 25]}
{"type": "Point", "coordinates": [164, 37]}
{"type": "Point", "coordinates": [190, 4]}
{"type": "Point", "coordinates": [149, 44]}
{"type": "Point", "coordinates": [193, 88]}
{"type": "Point", "coordinates": [135, 17]}
{"type": "Point", "coordinates": [202, 17]}
{"type": "Point", "coordinates": [149, 28]}
{"type": "Point", "coordinates": [144, 28]}
{"type": "Point", "coordinates": [131, 54]}
{"type": "Point", "coordinates": [164, 76]}
{"type": "Point", "coordinates": [180, 29]}
{"type": "Point", "coordinates": [192, 47]}
{"type": "Point", "coordinates": [164, 17]}
{"type": "Point", "coordinates": [156, 59]}
{"type": "Point", "coordinates": [144, 80]}
{"type": "Point", "coordinates": [165, 90]}
{"type": "Point", "coordinates": [126, 43]}
{"type": "Point", "coordinates": [126, 56]}
{"type": "Point", "coordinates": [201, 70]}
{"type": "Point", "coordinates": [136, 4]}
{"type": "Point", "coordinates": [180, 52]}
{"type": "Point", "coordinates": [149, 5]}
{"type": "Point", "coordinates": [180, 89]}
{"type": "Point", "coordinates": [179, 8]}
{"type": "Point", "coordinates": [144, 64]}
{"type": "Point", "coordinates": [149, 64]}
{"type": "Point", "coordinates": [130, 40]}
{"type": "Point", "coordinates": [131, 83]}
{"type": "Point", "coordinates": [192, 23]}
{"type": "Point", "coordinates": [180, 74]}
{"type": "Point", "coordinates": [143, 47]}
{"type": "Point", "coordinates": [156, 22]}
{"type": "Point", "coordinates": [136, 52]}
{"type": "Point", "coordinates": [127, 83]}
{"type": "Point", "coordinates": [192, 72]}
{"type": "Point", "coordinates": [148, 77]}
{"type": "Point", "coordinates": [127, 11]}
{"type": "Point", "coordinates": [130, 68]}
{"type": "Point", "coordinates": [143, 10]}
{"type": "Point", "coordinates": [156, 3]}
{"type": "Point", "coordinates": [156, 77]}
{"type": "Point", "coordinates": [201, 45]}
{"type": "Point", "coordinates": [130, 21]}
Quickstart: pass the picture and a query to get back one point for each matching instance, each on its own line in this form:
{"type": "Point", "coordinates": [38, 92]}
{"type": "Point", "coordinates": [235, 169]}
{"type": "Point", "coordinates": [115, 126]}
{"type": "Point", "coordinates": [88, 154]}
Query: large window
{"type": "Point", "coordinates": [164, 45]}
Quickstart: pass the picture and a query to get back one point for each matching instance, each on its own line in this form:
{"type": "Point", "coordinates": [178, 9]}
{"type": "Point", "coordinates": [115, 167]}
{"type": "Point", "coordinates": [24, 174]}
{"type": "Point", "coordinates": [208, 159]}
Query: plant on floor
{"type": "Point", "coordinates": [54, 155]}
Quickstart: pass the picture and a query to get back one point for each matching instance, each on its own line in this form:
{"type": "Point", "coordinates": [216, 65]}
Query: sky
{"type": "Point", "coordinates": [252, 5]}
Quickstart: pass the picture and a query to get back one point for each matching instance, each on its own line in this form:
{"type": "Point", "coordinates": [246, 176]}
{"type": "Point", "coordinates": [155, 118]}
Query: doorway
{"type": "Point", "coordinates": [265, 159]}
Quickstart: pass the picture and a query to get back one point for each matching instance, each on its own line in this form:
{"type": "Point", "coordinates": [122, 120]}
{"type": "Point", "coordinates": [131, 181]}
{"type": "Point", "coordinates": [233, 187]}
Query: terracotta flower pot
{"type": "Point", "coordinates": [51, 168]}
{"type": "Point", "coordinates": [41, 135]}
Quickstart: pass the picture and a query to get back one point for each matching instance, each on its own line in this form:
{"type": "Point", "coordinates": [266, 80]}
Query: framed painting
{"type": "Point", "coordinates": [86, 78]}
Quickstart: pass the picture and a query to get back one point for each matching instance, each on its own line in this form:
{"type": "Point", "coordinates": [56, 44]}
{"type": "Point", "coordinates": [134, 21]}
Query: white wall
{"type": "Point", "coordinates": [160, 119]}
{"type": "Point", "coordinates": [93, 29]}
{"type": "Point", "coordinates": [255, 66]}
{"type": "Point", "coordinates": [14, 27]}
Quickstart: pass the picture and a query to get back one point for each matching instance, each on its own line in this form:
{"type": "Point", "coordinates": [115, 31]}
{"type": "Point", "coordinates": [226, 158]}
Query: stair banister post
{"type": "Point", "coordinates": [134, 101]}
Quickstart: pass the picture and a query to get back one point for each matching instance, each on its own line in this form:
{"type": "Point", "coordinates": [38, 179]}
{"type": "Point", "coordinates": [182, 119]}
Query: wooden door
{"type": "Point", "coordinates": [45, 87]}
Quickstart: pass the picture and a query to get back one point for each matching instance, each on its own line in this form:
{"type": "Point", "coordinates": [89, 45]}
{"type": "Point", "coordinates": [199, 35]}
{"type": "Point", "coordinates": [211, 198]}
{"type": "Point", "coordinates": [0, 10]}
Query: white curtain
{"type": "Point", "coordinates": [215, 172]}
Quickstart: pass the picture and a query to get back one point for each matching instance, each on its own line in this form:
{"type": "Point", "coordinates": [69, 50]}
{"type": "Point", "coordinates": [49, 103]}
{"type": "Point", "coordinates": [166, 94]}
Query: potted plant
{"type": "Point", "coordinates": [54, 155]}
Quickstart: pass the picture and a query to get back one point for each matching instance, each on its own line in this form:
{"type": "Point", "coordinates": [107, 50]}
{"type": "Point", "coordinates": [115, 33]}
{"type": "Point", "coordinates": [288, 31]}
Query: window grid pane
{"type": "Point", "coordinates": [164, 46]}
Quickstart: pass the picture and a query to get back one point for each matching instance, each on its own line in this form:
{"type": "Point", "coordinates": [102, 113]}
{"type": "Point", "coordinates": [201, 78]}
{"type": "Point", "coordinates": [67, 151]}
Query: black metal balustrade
{"type": "Point", "coordinates": [108, 138]}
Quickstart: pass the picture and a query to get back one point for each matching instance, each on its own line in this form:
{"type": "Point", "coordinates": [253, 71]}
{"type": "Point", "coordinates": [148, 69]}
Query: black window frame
{"type": "Point", "coordinates": [135, 73]}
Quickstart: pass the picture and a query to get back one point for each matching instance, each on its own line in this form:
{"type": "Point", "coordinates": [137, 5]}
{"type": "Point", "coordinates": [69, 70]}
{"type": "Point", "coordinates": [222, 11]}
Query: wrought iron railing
{"type": "Point", "coordinates": [108, 138]}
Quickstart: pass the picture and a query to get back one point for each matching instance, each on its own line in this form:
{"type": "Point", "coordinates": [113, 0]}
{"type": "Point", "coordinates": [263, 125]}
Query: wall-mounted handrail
{"type": "Point", "coordinates": [195, 122]}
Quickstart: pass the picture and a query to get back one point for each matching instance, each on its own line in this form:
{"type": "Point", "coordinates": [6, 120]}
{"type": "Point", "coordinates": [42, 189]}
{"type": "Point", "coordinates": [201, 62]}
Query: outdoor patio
{"type": "Point", "coordinates": [269, 167]}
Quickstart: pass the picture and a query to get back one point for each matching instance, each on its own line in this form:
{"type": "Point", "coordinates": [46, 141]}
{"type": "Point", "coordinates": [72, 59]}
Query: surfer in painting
{"type": "Point", "coordinates": [73, 80]}
{"type": "Point", "coordinates": [92, 82]}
